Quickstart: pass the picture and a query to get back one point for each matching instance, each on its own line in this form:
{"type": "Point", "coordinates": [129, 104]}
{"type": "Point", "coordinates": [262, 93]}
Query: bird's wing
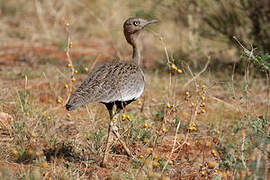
{"type": "Point", "coordinates": [110, 82]}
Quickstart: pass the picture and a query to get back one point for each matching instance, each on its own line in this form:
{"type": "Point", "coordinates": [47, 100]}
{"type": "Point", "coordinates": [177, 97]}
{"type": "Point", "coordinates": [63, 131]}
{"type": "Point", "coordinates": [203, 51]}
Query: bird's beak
{"type": "Point", "coordinates": [151, 22]}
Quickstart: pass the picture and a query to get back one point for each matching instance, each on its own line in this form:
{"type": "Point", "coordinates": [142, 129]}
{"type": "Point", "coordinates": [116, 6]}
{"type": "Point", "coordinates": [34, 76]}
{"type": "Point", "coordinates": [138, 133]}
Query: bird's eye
{"type": "Point", "coordinates": [136, 23]}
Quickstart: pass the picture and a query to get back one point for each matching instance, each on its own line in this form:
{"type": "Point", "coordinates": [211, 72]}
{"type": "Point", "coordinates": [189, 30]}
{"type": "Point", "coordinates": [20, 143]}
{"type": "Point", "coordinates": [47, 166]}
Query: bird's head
{"type": "Point", "coordinates": [133, 26]}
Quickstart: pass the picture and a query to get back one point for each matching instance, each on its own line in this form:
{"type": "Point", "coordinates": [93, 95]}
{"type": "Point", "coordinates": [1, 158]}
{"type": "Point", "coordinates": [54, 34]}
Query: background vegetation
{"type": "Point", "coordinates": [204, 113]}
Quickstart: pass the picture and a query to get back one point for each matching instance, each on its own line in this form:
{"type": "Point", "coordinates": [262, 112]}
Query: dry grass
{"type": "Point", "coordinates": [200, 124]}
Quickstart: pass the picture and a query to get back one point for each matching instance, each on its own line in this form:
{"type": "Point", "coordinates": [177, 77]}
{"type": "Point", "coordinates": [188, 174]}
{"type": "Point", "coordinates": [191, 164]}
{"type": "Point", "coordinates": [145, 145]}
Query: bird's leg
{"type": "Point", "coordinates": [116, 133]}
{"type": "Point", "coordinates": [109, 140]}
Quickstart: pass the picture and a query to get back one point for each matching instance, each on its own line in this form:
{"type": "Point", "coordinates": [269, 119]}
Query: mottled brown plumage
{"type": "Point", "coordinates": [115, 83]}
{"type": "Point", "coordinates": [109, 83]}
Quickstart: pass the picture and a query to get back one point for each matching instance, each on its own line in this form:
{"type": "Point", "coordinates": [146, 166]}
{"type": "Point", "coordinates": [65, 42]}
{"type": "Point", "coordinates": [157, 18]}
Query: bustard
{"type": "Point", "coordinates": [114, 84]}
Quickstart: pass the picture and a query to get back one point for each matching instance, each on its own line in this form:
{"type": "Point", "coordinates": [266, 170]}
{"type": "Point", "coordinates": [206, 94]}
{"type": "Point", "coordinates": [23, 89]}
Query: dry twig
{"type": "Point", "coordinates": [174, 143]}
{"type": "Point", "coordinates": [197, 75]}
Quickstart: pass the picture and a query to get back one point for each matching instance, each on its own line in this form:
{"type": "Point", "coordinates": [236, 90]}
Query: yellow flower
{"type": "Point", "coordinates": [243, 133]}
{"type": "Point", "coordinates": [173, 67]}
{"type": "Point", "coordinates": [203, 87]}
{"type": "Point", "coordinates": [169, 106]}
{"type": "Point", "coordinates": [114, 119]}
{"type": "Point", "coordinates": [203, 173]}
{"type": "Point", "coordinates": [209, 144]}
{"type": "Point", "coordinates": [59, 101]}
{"type": "Point", "coordinates": [86, 69]}
{"type": "Point", "coordinates": [70, 45]}
{"type": "Point", "coordinates": [202, 104]}
{"type": "Point", "coordinates": [30, 152]}
{"type": "Point", "coordinates": [213, 152]}
{"type": "Point", "coordinates": [187, 93]}
{"type": "Point", "coordinates": [66, 86]}
{"type": "Point", "coordinates": [49, 118]}
{"type": "Point", "coordinates": [149, 150]}
{"type": "Point", "coordinates": [27, 114]}
{"type": "Point", "coordinates": [150, 174]}
{"type": "Point", "coordinates": [164, 130]}
{"type": "Point", "coordinates": [191, 105]}
{"type": "Point", "coordinates": [139, 102]}
{"type": "Point", "coordinates": [123, 117]}
{"type": "Point", "coordinates": [180, 71]}
{"type": "Point", "coordinates": [203, 98]}
{"type": "Point", "coordinates": [203, 110]}
{"type": "Point", "coordinates": [69, 65]}
{"type": "Point", "coordinates": [191, 128]}
{"type": "Point", "coordinates": [128, 117]}
{"type": "Point", "coordinates": [155, 156]}
{"type": "Point", "coordinates": [44, 165]}
{"type": "Point", "coordinates": [15, 153]}
{"type": "Point", "coordinates": [34, 135]}
{"type": "Point", "coordinates": [149, 126]}
{"type": "Point", "coordinates": [145, 125]}
{"type": "Point", "coordinates": [76, 71]}
{"type": "Point", "coordinates": [68, 115]}
{"type": "Point", "coordinates": [141, 157]}
{"type": "Point", "coordinates": [192, 124]}
{"type": "Point", "coordinates": [73, 79]}
{"type": "Point", "coordinates": [155, 164]}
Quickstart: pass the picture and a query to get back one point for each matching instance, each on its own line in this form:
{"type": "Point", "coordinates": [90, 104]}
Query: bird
{"type": "Point", "coordinates": [115, 83]}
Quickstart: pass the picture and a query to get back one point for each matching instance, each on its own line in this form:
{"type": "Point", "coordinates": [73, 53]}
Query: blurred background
{"type": "Point", "coordinates": [223, 108]}
{"type": "Point", "coordinates": [191, 30]}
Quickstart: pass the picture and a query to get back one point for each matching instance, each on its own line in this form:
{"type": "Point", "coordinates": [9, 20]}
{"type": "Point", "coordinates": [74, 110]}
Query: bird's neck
{"type": "Point", "coordinates": [136, 56]}
{"type": "Point", "coordinates": [132, 39]}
